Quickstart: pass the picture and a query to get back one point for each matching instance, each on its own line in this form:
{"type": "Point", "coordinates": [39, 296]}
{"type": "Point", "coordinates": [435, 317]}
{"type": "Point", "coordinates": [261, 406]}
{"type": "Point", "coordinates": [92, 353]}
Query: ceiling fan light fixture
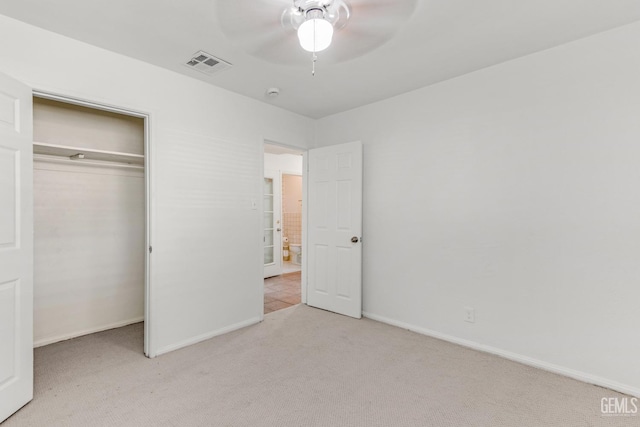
{"type": "Point", "coordinates": [315, 34]}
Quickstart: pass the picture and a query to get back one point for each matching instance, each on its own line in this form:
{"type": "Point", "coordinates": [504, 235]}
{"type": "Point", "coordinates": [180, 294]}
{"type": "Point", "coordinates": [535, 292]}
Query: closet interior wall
{"type": "Point", "coordinates": [89, 220]}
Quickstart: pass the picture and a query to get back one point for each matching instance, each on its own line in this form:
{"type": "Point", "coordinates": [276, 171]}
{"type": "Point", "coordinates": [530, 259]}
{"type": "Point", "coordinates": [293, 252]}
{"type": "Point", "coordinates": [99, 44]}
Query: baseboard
{"type": "Point", "coordinates": [207, 336]}
{"type": "Point", "coordinates": [556, 369]}
{"type": "Point", "coordinates": [47, 341]}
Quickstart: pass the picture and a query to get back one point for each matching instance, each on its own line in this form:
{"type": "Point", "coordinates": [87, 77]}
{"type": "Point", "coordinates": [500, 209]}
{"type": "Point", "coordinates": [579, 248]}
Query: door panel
{"type": "Point", "coordinates": [272, 224]}
{"type": "Point", "coordinates": [8, 225]}
{"type": "Point", "coordinates": [16, 246]}
{"type": "Point", "coordinates": [335, 217]}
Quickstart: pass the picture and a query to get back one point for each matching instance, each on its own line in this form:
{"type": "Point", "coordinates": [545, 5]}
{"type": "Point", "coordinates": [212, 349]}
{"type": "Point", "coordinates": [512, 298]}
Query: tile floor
{"type": "Point", "coordinates": [281, 292]}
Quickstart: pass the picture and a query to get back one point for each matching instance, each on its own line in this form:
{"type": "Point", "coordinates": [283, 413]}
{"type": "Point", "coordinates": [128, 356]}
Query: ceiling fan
{"type": "Point", "coordinates": [340, 29]}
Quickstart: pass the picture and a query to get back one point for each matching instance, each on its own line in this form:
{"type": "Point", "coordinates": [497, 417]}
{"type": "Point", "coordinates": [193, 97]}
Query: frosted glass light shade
{"type": "Point", "coordinates": [315, 35]}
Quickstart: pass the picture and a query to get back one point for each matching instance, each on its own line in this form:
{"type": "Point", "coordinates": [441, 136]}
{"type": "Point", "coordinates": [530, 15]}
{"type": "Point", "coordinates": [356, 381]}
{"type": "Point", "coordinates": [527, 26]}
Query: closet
{"type": "Point", "coordinates": [89, 220]}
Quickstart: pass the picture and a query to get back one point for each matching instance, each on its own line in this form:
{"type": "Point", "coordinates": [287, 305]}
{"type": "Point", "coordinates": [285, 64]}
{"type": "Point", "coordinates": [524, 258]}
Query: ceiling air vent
{"type": "Point", "coordinates": [207, 63]}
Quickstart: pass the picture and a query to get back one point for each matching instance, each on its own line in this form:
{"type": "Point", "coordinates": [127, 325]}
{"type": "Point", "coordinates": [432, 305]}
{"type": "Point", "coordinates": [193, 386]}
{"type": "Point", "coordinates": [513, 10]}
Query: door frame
{"type": "Point", "coordinates": [148, 161]}
{"type": "Point", "coordinates": [303, 276]}
{"type": "Point", "coordinates": [276, 178]}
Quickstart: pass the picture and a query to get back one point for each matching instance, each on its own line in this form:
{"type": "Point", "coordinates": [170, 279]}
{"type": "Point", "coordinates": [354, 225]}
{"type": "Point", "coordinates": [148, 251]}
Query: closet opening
{"type": "Point", "coordinates": [91, 228]}
{"type": "Point", "coordinates": [283, 227]}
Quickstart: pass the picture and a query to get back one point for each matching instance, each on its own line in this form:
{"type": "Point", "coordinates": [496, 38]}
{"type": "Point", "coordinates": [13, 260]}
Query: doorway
{"type": "Point", "coordinates": [90, 218]}
{"type": "Point", "coordinates": [331, 275]}
{"type": "Point", "coordinates": [283, 227]}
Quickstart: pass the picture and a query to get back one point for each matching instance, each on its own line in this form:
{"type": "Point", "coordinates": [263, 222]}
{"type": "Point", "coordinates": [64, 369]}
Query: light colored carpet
{"type": "Point", "coordinates": [300, 367]}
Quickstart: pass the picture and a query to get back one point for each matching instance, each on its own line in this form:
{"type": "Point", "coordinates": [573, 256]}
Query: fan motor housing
{"type": "Point", "coordinates": [311, 4]}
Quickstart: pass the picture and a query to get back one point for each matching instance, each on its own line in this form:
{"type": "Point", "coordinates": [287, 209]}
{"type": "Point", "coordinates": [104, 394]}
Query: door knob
{"type": "Point", "coordinates": [354, 239]}
{"type": "Point", "coordinates": [278, 229]}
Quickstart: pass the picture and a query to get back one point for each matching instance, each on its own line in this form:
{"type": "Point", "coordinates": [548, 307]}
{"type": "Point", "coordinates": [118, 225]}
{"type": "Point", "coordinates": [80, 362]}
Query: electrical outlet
{"type": "Point", "coordinates": [470, 314]}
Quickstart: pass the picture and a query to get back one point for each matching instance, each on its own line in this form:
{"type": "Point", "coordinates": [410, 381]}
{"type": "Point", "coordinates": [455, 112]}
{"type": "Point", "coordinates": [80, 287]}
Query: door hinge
{"type": "Point", "coordinates": [150, 249]}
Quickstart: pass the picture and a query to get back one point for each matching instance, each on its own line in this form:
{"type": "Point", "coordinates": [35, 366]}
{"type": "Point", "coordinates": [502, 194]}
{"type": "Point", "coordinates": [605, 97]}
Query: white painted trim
{"type": "Point", "coordinates": [149, 161]}
{"type": "Point", "coordinates": [208, 335]}
{"type": "Point", "coordinates": [260, 252]}
{"type": "Point", "coordinates": [305, 230]}
{"type": "Point", "coordinates": [90, 104]}
{"type": "Point", "coordinates": [525, 360]}
{"type": "Point", "coordinates": [77, 334]}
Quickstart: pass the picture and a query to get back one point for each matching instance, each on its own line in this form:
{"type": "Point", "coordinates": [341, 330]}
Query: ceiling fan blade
{"type": "Point", "coordinates": [270, 44]}
{"type": "Point", "coordinates": [262, 28]}
{"type": "Point", "coordinates": [373, 11]}
{"type": "Point", "coordinates": [372, 24]}
{"type": "Point", "coordinates": [241, 17]}
{"type": "Point", "coordinates": [375, 29]}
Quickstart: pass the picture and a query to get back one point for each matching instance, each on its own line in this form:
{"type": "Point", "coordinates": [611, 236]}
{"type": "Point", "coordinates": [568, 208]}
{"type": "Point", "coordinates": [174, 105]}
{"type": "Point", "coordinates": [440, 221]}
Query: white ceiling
{"type": "Point", "coordinates": [441, 40]}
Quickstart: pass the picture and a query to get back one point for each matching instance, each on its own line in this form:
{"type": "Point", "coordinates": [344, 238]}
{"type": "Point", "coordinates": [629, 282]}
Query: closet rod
{"type": "Point", "coordinates": [56, 159]}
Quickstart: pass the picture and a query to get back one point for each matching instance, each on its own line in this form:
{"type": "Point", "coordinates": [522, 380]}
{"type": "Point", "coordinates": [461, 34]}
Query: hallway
{"type": "Point", "coordinates": [281, 291]}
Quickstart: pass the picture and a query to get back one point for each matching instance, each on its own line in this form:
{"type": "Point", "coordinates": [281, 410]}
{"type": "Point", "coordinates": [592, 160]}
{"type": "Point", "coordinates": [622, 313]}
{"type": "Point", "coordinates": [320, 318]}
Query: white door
{"type": "Point", "coordinates": [334, 278]}
{"type": "Point", "coordinates": [16, 246]}
{"type": "Point", "coordinates": [272, 224]}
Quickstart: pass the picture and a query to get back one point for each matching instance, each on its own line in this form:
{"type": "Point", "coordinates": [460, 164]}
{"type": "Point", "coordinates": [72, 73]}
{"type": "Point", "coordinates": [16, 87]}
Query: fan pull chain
{"type": "Point", "coordinates": [314, 58]}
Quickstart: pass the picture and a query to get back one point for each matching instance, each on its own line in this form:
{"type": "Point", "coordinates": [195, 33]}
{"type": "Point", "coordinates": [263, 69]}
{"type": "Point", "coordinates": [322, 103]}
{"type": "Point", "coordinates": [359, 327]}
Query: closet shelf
{"type": "Point", "coordinates": [89, 153]}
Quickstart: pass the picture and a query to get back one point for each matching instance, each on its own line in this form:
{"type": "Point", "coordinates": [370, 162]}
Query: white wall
{"type": "Point", "coordinates": [287, 163]}
{"type": "Point", "coordinates": [206, 159]}
{"type": "Point", "coordinates": [514, 190]}
{"type": "Point", "coordinates": [88, 249]}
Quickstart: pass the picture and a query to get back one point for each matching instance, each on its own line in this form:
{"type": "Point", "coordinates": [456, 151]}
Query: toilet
{"type": "Point", "coordinates": [295, 250]}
